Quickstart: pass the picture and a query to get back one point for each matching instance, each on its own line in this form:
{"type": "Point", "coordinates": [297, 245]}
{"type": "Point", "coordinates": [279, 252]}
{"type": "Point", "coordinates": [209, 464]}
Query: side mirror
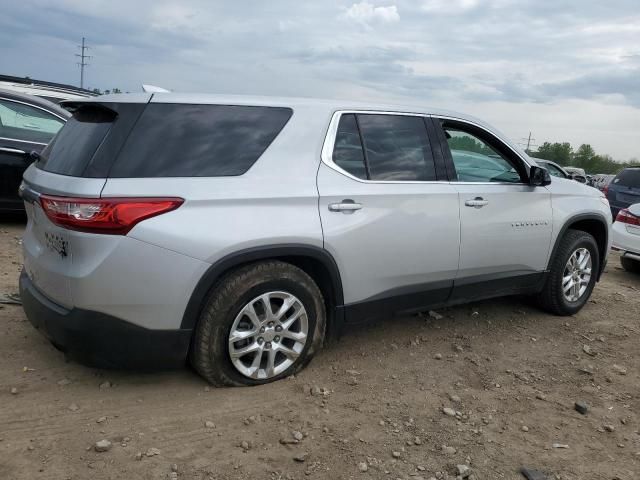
{"type": "Point", "coordinates": [579, 178]}
{"type": "Point", "coordinates": [539, 177]}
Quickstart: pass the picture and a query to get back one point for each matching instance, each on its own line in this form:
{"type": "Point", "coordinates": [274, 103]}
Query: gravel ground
{"type": "Point", "coordinates": [490, 385]}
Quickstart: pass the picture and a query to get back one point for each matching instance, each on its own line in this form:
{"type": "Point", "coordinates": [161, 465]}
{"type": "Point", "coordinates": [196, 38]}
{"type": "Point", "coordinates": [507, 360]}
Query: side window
{"type": "Point", "coordinates": [25, 123]}
{"type": "Point", "coordinates": [553, 170]}
{"type": "Point", "coordinates": [396, 147]}
{"type": "Point", "coordinates": [347, 152]}
{"type": "Point", "coordinates": [475, 160]}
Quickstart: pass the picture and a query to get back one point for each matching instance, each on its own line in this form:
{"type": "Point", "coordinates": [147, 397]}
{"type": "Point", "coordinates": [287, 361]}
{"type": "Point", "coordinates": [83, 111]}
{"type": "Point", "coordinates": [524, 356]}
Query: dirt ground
{"type": "Point", "coordinates": [372, 401]}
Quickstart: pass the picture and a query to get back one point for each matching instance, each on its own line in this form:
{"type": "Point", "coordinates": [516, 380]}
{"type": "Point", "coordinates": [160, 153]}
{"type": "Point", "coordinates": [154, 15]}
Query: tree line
{"type": "Point", "coordinates": [560, 152]}
{"type": "Point", "coordinates": [584, 157]}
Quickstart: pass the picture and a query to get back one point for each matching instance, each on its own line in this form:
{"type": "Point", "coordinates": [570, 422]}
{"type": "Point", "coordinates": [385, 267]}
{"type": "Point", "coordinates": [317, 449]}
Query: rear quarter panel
{"type": "Point", "coordinates": [274, 202]}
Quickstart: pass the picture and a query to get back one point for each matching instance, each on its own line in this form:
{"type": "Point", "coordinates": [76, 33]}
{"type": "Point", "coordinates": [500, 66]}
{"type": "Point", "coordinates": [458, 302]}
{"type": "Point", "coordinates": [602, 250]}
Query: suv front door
{"type": "Point", "coordinates": [505, 223]}
{"type": "Point", "coordinates": [390, 218]}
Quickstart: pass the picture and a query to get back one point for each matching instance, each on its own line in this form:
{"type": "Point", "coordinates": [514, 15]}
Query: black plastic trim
{"type": "Point", "coordinates": [496, 285]}
{"type": "Point", "coordinates": [213, 273]}
{"type": "Point", "coordinates": [436, 149]}
{"type": "Point", "coordinates": [577, 218]}
{"type": "Point", "coordinates": [101, 340]}
{"type": "Point", "coordinates": [399, 300]}
{"type": "Point", "coordinates": [415, 298]}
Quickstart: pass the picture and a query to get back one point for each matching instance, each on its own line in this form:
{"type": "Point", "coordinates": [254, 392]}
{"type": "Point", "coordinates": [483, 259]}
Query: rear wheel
{"type": "Point", "coordinates": [261, 323]}
{"type": "Point", "coordinates": [572, 275]}
{"type": "Point", "coordinates": [630, 265]}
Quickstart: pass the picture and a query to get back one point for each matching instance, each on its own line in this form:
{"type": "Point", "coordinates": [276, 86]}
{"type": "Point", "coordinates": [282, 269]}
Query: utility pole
{"type": "Point", "coordinates": [82, 63]}
{"type": "Point", "coordinates": [530, 143]}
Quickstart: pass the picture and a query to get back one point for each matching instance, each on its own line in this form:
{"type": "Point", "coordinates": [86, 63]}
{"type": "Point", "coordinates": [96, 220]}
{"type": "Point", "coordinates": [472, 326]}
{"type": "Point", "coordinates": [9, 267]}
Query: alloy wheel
{"type": "Point", "coordinates": [576, 275]}
{"type": "Point", "coordinates": [268, 335]}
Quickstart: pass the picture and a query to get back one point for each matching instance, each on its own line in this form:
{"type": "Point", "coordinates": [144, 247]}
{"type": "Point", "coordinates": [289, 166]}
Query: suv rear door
{"type": "Point", "coordinates": [505, 223]}
{"type": "Point", "coordinates": [389, 216]}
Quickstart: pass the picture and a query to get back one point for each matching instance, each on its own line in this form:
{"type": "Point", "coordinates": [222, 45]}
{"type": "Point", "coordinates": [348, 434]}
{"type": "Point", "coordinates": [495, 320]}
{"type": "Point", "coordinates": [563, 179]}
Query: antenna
{"type": "Point", "coordinates": [82, 63]}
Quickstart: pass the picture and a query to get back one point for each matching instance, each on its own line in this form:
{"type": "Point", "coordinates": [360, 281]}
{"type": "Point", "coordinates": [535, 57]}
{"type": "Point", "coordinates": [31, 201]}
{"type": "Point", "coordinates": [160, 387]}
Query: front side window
{"type": "Point", "coordinates": [475, 160]}
{"type": "Point", "coordinates": [384, 147]}
{"type": "Point", "coordinates": [26, 123]}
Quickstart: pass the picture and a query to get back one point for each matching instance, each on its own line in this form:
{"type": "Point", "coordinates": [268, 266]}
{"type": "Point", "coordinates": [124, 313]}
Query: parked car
{"type": "Point", "coordinates": [556, 170]}
{"type": "Point", "coordinates": [601, 180]}
{"type": "Point", "coordinates": [624, 189]}
{"type": "Point", "coordinates": [626, 237]}
{"type": "Point", "coordinates": [54, 92]}
{"type": "Point", "coordinates": [27, 124]}
{"type": "Point", "coordinates": [576, 171]}
{"type": "Point", "coordinates": [239, 232]}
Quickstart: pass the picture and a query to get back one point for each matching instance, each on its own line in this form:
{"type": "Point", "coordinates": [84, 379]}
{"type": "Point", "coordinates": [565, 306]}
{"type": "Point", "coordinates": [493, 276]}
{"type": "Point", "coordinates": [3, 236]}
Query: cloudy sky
{"type": "Point", "coordinates": [565, 70]}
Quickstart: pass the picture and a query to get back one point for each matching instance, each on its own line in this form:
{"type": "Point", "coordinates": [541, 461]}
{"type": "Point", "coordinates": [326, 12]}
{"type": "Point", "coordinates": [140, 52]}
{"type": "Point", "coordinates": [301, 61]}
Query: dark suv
{"type": "Point", "coordinates": [624, 190]}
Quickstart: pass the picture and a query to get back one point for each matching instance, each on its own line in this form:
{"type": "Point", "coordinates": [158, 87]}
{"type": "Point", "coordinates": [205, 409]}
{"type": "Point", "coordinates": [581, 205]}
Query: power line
{"type": "Point", "coordinates": [82, 63]}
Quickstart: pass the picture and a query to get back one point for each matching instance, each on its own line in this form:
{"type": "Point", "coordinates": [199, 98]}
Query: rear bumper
{"type": "Point", "coordinates": [101, 340]}
{"type": "Point", "coordinates": [625, 241]}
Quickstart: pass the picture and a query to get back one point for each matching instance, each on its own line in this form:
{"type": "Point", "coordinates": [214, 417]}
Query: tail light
{"type": "Point", "coordinates": [625, 216]}
{"type": "Point", "coordinates": [605, 190]}
{"type": "Point", "coordinates": [111, 216]}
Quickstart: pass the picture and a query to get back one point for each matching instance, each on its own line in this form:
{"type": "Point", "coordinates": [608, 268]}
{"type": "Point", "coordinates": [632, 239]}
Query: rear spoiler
{"type": "Point", "coordinates": [105, 100]}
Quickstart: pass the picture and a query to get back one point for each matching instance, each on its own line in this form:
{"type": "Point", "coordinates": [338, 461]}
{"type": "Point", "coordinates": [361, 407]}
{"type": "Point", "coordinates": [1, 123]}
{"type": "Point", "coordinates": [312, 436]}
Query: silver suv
{"type": "Point", "coordinates": [239, 233]}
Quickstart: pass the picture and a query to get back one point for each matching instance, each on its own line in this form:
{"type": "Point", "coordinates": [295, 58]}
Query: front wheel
{"type": "Point", "coordinates": [572, 275]}
{"type": "Point", "coordinates": [262, 322]}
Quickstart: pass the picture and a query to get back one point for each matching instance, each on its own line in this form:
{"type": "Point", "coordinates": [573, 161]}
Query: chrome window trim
{"type": "Point", "coordinates": [330, 139]}
{"type": "Point", "coordinates": [22, 141]}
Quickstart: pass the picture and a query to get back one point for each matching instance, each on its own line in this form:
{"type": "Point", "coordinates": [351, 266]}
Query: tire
{"type": "Point", "coordinates": [224, 307]}
{"type": "Point", "coordinates": [630, 265]}
{"type": "Point", "coordinates": [552, 297]}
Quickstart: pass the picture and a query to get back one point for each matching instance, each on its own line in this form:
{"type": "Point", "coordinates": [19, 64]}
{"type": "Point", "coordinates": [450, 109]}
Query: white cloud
{"type": "Point", "coordinates": [449, 6]}
{"type": "Point", "coordinates": [518, 63]}
{"type": "Point", "coordinates": [365, 13]}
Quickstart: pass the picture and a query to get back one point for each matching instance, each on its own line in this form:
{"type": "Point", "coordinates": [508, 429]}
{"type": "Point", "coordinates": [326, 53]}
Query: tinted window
{"type": "Point", "coordinates": [26, 123]}
{"type": "Point", "coordinates": [397, 147]}
{"type": "Point", "coordinates": [71, 150]}
{"type": "Point", "coordinates": [179, 140]}
{"type": "Point", "coordinates": [347, 152]}
{"type": "Point", "coordinates": [476, 161]}
{"type": "Point", "coordinates": [629, 177]}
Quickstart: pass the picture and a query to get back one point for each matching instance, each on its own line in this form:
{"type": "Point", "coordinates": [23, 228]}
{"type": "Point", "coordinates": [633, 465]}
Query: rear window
{"type": "Point", "coordinates": [73, 147]}
{"type": "Point", "coordinates": [629, 177]}
{"type": "Point", "coordinates": [181, 140]}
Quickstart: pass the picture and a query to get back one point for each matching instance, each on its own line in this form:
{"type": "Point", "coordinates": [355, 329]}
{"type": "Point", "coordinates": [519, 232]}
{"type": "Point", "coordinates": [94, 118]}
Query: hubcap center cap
{"type": "Point", "coordinates": [269, 334]}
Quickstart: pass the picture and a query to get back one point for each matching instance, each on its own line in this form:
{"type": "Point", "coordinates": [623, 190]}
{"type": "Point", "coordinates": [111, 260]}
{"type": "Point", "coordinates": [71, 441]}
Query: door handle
{"type": "Point", "coordinates": [346, 206]}
{"type": "Point", "coordinates": [477, 202]}
{"type": "Point", "coordinates": [17, 151]}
